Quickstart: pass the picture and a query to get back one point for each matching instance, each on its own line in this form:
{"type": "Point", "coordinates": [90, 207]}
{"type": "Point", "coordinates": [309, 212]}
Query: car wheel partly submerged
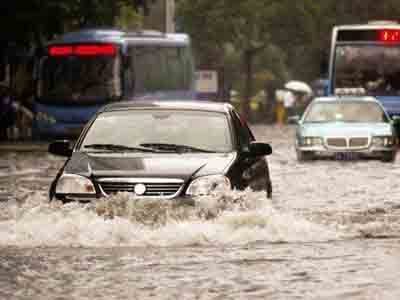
{"type": "Point", "coordinates": [269, 190]}
{"type": "Point", "coordinates": [388, 156]}
{"type": "Point", "coordinates": [305, 155]}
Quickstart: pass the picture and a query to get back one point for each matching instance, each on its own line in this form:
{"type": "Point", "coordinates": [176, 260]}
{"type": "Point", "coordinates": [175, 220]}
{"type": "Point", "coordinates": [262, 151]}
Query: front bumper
{"type": "Point", "coordinates": [109, 187]}
{"type": "Point", "coordinates": [324, 151]}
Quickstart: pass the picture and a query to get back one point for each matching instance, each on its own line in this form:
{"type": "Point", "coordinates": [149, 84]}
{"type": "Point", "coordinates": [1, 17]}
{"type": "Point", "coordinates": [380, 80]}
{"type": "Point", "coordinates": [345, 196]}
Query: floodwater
{"type": "Point", "coordinates": [331, 231]}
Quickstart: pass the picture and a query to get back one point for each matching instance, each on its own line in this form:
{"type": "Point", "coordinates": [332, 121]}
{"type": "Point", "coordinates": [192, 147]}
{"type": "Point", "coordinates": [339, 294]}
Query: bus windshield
{"type": "Point", "coordinates": [372, 69]}
{"type": "Point", "coordinates": [79, 79]}
{"type": "Point", "coordinates": [158, 68]}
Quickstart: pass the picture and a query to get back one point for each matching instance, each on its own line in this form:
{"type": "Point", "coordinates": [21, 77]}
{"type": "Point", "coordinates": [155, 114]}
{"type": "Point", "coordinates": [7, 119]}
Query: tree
{"type": "Point", "coordinates": [247, 25]}
{"type": "Point", "coordinates": [32, 21]}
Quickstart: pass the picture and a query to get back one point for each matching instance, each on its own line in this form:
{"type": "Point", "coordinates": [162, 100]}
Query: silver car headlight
{"type": "Point", "coordinates": [214, 184]}
{"type": "Point", "coordinates": [75, 184]}
{"type": "Point", "coordinates": [382, 141]}
{"type": "Point", "coordinates": [311, 141]}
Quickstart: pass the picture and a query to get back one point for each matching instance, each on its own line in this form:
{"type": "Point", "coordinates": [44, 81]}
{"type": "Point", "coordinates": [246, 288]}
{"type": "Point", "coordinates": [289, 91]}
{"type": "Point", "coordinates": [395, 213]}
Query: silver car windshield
{"type": "Point", "coordinates": [207, 131]}
{"type": "Point", "coordinates": [348, 111]}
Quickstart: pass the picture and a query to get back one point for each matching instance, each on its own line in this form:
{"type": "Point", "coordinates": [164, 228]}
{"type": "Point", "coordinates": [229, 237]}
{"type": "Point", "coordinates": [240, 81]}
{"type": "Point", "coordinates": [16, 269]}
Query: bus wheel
{"type": "Point", "coordinates": [304, 155]}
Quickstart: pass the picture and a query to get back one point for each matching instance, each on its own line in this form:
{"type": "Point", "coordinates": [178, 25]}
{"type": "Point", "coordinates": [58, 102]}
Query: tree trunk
{"type": "Point", "coordinates": [248, 90]}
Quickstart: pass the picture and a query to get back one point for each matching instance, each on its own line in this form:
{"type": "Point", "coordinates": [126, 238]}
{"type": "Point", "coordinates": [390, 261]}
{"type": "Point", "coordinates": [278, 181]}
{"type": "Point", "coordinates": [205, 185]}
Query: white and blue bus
{"type": "Point", "coordinates": [365, 61]}
{"type": "Point", "coordinates": [81, 71]}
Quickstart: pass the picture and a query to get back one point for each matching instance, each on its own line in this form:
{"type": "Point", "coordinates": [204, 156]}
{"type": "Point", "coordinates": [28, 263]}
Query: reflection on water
{"type": "Point", "coordinates": [331, 231]}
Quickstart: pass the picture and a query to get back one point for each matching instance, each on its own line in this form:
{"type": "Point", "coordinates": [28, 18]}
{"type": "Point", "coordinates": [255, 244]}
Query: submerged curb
{"type": "Point", "coordinates": [23, 147]}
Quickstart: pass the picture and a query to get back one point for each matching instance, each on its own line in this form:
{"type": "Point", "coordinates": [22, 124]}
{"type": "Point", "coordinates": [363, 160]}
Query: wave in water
{"type": "Point", "coordinates": [237, 218]}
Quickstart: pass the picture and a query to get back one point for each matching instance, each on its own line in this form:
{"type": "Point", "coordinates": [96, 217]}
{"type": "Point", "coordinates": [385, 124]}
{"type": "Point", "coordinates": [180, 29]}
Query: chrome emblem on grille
{"type": "Point", "coordinates": [140, 189]}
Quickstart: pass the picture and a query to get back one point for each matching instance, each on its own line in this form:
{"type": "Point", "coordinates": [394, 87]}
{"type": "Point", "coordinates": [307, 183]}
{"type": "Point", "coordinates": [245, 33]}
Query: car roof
{"type": "Point", "coordinates": [209, 106]}
{"type": "Point", "coordinates": [346, 98]}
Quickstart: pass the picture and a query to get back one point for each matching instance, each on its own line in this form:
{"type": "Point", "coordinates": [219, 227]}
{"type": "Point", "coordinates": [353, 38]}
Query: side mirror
{"type": "Point", "coordinates": [294, 119]}
{"type": "Point", "coordinates": [260, 149]}
{"type": "Point", "coordinates": [395, 118]}
{"type": "Point", "coordinates": [61, 148]}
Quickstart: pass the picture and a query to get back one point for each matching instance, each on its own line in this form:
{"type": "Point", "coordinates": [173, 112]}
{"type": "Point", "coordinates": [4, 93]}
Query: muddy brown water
{"type": "Point", "coordinates": [331, 231]}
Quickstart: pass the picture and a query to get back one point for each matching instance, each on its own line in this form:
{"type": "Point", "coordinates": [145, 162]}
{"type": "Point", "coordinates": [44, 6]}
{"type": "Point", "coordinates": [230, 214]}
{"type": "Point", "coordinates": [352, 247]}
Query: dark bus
{"type": "Point", "coordinates": [82, 71]}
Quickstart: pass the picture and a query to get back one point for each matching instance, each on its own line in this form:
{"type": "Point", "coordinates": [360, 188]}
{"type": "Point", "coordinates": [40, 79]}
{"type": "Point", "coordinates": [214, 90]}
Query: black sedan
{"type": "Point", "coordinates": [165, 150]}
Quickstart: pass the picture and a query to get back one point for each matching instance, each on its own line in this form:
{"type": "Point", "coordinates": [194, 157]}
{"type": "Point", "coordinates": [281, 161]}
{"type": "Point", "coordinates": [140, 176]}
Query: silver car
{"type": "Point", "coordinates": [345, 128]}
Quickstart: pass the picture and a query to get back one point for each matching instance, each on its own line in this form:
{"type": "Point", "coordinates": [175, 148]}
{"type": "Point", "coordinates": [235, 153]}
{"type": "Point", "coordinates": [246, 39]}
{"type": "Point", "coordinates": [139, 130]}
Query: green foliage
{"type": "Point", "coordinates": [129, 18]}
{"type": "Point", "coordinates": [243, 34]}
{"type": "Point", "coordinates": [33, 21]}
{"type": "Point", "coordinates": [285, 39]}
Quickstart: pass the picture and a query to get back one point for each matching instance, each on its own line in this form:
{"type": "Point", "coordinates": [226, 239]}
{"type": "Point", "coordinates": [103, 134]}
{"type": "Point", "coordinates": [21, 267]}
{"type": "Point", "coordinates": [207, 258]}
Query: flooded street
{"type": "Point", "coordinates": [331, 231]}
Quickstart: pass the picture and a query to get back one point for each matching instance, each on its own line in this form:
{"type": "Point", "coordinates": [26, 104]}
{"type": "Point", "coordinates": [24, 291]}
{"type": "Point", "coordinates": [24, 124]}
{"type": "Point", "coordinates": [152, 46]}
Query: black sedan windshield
{"type": "Point", "coordinates": [160, 130]}
{"type": "Point", "coordinates": [352, 111]}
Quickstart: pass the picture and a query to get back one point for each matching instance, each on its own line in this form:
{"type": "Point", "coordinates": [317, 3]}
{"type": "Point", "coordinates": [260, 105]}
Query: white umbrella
{"type": "Point", "coordinates": [298, 86]}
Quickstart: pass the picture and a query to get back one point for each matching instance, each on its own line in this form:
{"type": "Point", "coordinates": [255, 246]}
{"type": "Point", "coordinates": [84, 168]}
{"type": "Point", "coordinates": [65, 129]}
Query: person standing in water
{"type": "Point", "coordinates": [7, 112]}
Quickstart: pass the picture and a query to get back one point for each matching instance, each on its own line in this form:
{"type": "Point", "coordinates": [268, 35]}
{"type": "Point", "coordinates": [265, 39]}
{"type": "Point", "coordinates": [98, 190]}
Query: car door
{"type": "Point", "coordinates": [249, 171]}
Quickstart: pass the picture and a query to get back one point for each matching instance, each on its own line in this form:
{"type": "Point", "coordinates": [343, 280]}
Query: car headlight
{"type": "Point", "coordinates": [382, 141]}
{"type": "Point", "coordinates": [44, 117]}
{"type": "Point", "coordinates": [214, 184]}
{"type": "Point", "coordinates": [311, 141]}
{"type": "Point", "coordinates": [74, 184]}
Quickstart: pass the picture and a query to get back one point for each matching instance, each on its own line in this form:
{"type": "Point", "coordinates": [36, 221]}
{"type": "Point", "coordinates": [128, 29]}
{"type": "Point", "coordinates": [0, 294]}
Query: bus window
{"type": "Point", "coordinates": [155, 68]}
{"type": "Point", "coordinates": [79, 79]}
{"type": "Point", "coordinates": [373, 68]}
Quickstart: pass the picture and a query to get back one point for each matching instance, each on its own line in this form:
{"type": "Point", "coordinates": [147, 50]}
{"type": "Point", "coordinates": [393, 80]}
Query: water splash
{"type": "Point", "coordinates": [237, 218]}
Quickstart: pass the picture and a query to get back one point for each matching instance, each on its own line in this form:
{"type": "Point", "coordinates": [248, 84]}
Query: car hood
{"type": "Point", "coordinates": [346, 129]}
{"type": "Point", "coordinates": [182, 166]}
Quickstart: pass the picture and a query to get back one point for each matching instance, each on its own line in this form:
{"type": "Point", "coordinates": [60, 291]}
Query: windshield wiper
{"type": "Point", "coordinates": [175, 147]}
{"type": "Point", "coordinates": [115, 147]}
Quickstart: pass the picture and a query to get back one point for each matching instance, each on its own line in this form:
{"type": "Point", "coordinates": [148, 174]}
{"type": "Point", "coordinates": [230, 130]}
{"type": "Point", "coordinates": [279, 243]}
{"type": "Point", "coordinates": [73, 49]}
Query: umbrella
{"type": "Point", "coordinates": [298, 86]}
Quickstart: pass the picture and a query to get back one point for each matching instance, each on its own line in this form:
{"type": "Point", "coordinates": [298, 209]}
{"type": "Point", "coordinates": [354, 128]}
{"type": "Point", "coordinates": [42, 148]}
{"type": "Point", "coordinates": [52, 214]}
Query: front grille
{"type": "Point", "coordinates": [358, 142]}
{"type": "Point", "coordinates": [336, 142]}
{"type": "Point", "coordinates": [154, 188]}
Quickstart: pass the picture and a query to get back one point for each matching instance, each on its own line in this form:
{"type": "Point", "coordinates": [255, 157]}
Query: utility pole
{"type": "Point", "coordinates": [162, 16]}
{"type": "Point", "coordinates": [169, 9]}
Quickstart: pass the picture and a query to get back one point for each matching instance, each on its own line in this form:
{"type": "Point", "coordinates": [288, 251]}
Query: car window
{"type": "Point", "coordinates": [203, 130]}
{"type": "Point", "coordinates": [341, 111]}
{"type": "Point", "coordinates": [244, 133]}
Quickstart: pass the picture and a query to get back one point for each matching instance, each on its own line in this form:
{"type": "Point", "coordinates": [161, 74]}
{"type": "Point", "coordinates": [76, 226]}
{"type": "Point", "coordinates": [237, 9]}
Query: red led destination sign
{"type": "Point", "coordinates": [389, 35]}
{"type": "Point", "coordinates": [83, 50]}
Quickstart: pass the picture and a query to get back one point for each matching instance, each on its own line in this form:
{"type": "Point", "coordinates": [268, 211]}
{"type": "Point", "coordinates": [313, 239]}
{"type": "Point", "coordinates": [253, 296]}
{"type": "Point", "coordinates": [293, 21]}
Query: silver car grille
{"type": "Point", "coordinates": [336, 142]}
{"type": "Point", "coordinates": [154, 187]}
{"type": "Point", "coordinates": [358, 142]}
{"type": "Point", "coordinates": [344, 143]}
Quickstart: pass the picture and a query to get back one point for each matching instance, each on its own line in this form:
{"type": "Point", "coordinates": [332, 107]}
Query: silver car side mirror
{"type": "Point", "coordinates": [294, 119]}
